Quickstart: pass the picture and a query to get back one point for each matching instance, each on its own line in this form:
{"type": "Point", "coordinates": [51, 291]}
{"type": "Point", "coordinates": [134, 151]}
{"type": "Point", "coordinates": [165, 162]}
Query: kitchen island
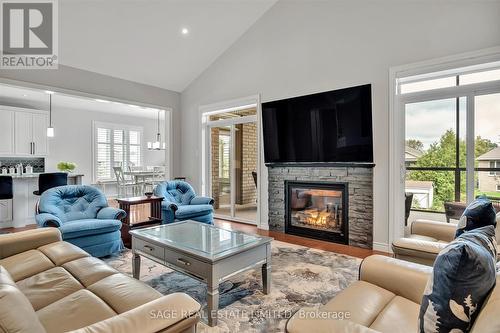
{"type": "Point", "coordinates": [24, 201]}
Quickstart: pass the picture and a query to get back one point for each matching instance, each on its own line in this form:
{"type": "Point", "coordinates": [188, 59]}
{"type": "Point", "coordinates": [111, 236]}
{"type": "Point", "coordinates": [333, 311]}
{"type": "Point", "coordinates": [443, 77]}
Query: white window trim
{"type": "Point", "coordinates": [397, 120]}
{"type": "Point", "coordinates": [113, 126]}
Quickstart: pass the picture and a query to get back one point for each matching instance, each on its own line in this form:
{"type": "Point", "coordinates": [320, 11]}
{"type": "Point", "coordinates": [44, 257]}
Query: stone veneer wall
{"type": "Point", "coordinates": [360, 184]}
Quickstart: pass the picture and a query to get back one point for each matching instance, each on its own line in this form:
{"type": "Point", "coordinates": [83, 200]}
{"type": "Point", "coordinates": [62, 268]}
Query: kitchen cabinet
{"type": "Point", "coordinates": [6, 132]}
{"type": "Point", "coordinates": [39, 130]}
{"type": "Point", "coordinates": [23, 133]}
{"type": "Point", "coordinates": [28, 132]}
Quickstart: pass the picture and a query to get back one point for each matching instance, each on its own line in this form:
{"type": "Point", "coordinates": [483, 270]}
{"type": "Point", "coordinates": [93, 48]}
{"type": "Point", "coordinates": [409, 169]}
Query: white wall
{"type": "Point", "coordinates": [302, 47]}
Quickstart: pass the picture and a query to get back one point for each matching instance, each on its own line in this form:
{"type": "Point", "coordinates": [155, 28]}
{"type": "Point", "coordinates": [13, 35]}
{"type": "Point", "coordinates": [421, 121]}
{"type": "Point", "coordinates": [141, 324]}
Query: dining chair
{"type": "Point", "coordinates": [157, 177]}
{"type": "Point", "coordinates": [125, 185]}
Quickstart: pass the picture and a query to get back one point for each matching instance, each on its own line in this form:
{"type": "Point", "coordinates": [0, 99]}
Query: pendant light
{"type": "Point", "coordinates": [50, 129]}
{"type": "Point", "coordinates": [158, 144]}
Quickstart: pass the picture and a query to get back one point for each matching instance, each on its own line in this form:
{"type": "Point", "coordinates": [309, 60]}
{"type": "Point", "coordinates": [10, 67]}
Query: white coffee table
{"type": "Point", "coordinates": [204, 252]}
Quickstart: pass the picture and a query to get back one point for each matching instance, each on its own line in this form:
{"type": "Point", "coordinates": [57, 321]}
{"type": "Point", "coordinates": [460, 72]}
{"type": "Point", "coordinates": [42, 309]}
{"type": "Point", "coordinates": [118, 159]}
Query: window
{"type": "Point", "coordinates": [440, 154]}
{"type": "Point", "coordinates": [498, 188]}
{"type": "Point", "coordinates": [494, 165]}
{"type": "Point", "coordinates": [458, 77]}
{"type": "Point", "coordinates": [224, 146]}
{"type": "Point", "coordinates": [115, 145]}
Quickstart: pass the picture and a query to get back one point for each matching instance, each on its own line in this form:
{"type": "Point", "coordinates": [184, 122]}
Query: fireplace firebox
{"type": "Point", "coordinates": [317, 210]}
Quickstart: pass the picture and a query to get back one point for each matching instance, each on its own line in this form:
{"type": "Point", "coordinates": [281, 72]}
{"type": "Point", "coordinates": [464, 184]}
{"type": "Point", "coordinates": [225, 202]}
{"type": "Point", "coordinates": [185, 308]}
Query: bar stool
{"type": "Point", "coordinates": [47, 181]}
{"type": "Point", "coordinates": [6, 195]}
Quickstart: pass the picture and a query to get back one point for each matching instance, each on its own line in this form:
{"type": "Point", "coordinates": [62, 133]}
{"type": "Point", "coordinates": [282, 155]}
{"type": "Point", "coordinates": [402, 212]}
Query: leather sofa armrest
{"type": "Point", "coordinates": [438, 230]}
{"type": "Point", "coordinates": [152, 317]}
{"type": "Point", "coordinates": [416, 250]}
{"type": "Point", "coordinates": [403, 278]}
{"type": "Point", "coordinates": [314, 320]}
{"type": "Point", "coordinates": [111, 213]}
{"type": "Point", "coordinates": [48, 220]}
{"type": "Point", "coordinates": [202, 201]}
{"type": "Point", "coordinates": [23, 241]}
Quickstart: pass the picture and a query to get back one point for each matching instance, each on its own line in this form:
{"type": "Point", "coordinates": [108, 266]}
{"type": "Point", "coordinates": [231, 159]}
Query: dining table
{"type": "Point", "coordinates": [140, 176]}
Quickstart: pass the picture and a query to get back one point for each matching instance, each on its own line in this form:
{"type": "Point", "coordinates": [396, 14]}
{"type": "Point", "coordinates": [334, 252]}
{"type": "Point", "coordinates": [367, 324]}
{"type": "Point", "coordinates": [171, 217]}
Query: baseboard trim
{"type": "Point", "coordinates": [384, 247]}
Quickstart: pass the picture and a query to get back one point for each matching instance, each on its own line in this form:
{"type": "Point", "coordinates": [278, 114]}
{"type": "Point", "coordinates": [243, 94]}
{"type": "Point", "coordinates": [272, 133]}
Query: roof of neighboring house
{"type": "Point", "coordinates": [419, 184]}
{"type": "Point", "coordinates": [412, 154]}
{"type": "Point", "coordinates": [492, 155]}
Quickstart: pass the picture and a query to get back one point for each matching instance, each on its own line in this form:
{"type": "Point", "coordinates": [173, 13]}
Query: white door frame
{"type": "Point", "coordinates": [397, 120]}
{"type": "Point", "coordinates": [205, 172]}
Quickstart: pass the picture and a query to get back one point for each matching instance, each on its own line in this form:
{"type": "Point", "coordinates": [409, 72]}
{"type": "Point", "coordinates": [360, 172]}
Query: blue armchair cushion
{"type": "Point", "coordinates": [111, 213]}
{"type": "Point", "coordinates": [462, 278]}
{"type": "Point", "coordinates": [178, 192]}
{"type": "Point", "coordinates": [185, 212]}
{"type": "Point", "coordinates": [72, 202]}
{"type": "Point", "coordinates": [47, 220]}
{"type": "Point", "coordinates": [168, 205]}
{"type": "Point", "coordinates": [81, 228]}
{"type": "Point", "coordinates": [202, 201]}
{"type": "Point", "coordinates": [479, 213]}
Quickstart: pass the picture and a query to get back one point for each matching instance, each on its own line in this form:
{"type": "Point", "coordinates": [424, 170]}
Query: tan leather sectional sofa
{"type": "Point", "coordinates": [386, 299]}
{"type": "Point", "coordinates": [47, 285]}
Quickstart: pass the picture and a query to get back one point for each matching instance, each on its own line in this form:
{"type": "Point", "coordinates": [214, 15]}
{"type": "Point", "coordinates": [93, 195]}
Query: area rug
{"type": "Point", "coordinates": [300, 277]}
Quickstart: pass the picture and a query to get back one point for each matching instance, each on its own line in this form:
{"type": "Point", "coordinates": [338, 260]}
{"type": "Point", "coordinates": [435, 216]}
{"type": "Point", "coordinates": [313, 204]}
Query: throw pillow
{"type": "Point", "coordinates": [479, 213]}
{"type": "Point", "coordinates": [463, 276]}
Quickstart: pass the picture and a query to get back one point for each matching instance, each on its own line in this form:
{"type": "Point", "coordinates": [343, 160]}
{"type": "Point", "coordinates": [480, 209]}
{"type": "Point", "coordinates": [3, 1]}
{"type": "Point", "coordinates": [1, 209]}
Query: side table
{"type": "Point", "coordinates": [127, 224]}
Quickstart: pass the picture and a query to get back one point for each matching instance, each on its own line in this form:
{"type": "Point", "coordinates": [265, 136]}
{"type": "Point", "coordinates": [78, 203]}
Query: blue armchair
{"type": "Point", "coordinates": [82, 215]}
{"type": "Point", "coordinates": [181, 203]}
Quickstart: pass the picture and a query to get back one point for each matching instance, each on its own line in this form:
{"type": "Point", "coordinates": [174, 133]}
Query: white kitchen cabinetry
{"type": "Point", "coordinates": [6, 132]}
{"type": "Point", "coordinates": [23, 132]}
{"type": "Point", "coordinates": [39, 130]}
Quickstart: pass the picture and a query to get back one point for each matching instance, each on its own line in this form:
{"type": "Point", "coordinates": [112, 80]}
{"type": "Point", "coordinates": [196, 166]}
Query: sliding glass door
{"type": "Point", "coordinates": [232, 163]}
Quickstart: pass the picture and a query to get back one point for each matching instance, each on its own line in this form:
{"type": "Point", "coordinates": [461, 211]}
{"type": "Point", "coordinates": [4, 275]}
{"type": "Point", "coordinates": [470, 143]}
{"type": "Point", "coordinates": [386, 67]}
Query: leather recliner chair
{"type": "Point", "coordinates": [427, 238]}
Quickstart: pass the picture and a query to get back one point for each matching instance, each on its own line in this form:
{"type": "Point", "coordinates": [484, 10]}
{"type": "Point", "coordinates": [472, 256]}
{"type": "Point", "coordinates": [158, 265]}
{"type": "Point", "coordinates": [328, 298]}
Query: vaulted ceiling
{"type": "Point", "coordinates": [142, 40]}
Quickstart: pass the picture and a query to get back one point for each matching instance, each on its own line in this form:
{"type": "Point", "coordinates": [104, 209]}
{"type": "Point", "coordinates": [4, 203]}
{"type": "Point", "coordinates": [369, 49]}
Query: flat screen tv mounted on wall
{"type": "Point", "coordinates": [327, 127]}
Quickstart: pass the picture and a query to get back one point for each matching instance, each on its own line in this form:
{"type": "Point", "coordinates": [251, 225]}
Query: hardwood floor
{"type": "Point", "coordinates": [141, 212]}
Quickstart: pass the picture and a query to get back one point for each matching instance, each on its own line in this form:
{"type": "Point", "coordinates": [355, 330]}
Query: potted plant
{"type": "Point", "coordinates": [66, 166]}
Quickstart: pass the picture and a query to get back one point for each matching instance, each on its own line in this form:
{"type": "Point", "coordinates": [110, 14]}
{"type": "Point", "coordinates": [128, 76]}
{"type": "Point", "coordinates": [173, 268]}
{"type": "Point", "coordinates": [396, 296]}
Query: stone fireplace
{"type": "Point", "coordinates": [317, 210]}
{"type": "Point", "coordinates": [328, 202]}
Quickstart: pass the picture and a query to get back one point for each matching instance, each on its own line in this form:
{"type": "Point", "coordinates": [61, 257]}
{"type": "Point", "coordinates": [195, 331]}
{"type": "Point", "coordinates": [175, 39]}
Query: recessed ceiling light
{"type": "Point", "coordinates": [101, 100]}
{"type": "Point", "coordinates": [49, 92]}
{"type": "Point", "coordinates": [184, 31]}
{"type": "Point", "coordinates": [25, 95]}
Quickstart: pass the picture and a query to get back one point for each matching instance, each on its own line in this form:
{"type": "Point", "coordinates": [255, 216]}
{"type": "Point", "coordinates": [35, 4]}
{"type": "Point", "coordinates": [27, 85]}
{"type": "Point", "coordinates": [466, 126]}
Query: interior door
{"type": "Point", "coordinates": [40, 124]}
{"type": "Point", "coordinates": [23, 133]}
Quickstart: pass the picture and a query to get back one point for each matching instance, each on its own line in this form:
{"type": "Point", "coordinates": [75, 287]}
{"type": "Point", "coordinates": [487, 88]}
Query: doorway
{"type": "Point", "coordinates": [232, 163]}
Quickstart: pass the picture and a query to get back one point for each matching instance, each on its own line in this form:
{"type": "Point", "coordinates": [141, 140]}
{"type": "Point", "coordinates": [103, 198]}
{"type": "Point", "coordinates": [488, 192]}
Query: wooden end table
{"type": "Point", "coordinates": [127, 224]}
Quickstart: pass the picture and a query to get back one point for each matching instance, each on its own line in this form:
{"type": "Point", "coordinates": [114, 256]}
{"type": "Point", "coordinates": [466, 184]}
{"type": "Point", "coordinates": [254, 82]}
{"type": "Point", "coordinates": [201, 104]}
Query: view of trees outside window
{"type": "Point", "coordinates": [435, 150]}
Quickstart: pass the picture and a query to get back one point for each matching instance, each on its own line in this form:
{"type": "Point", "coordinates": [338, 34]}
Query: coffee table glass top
{"type": "Point", "coordinates": [203, 239]}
